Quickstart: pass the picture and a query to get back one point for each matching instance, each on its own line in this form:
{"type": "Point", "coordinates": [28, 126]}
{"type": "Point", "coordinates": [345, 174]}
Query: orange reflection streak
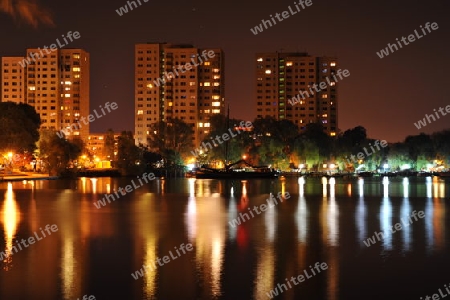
{"type": "Point", "coordinates": [244, 199]}
{"type": "Point", "coordinates": [146, 244]}
{"type": "Point", "coordinates": [265, 271]}
{"type": "Point", "coordinates": [205, 222]}
{"type": "Point", "coordinates": [438, 223]}
{"type": "Point", "coordinates": [11, 220]}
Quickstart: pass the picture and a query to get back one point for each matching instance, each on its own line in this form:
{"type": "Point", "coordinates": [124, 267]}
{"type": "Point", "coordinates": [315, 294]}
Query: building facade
{"type": "Point", "coordinates": [287, 87]}
{"type": "Point", "coordinates": [12, 80]}
{"type": "Point", "coordinates": [56, 83]}
{"type": "Point", "coordinates": [177, 81]}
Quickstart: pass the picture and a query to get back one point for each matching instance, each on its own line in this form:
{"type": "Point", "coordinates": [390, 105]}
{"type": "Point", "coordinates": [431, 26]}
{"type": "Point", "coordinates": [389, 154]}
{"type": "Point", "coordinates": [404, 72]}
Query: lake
{"type": "Point", "coordinates": [327, 239]}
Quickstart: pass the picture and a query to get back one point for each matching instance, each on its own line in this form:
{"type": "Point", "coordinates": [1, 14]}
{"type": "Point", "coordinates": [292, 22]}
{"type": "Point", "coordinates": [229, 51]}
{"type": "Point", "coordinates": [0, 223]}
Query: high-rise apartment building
{"type": "Point", "coordinates": [285, 89]}
{"type": "Point", "coordinates": [177, 81]}
{"type": "Point", "coordinates": [55, 83]}
{"type": "Point", "coordinates": [12, 80]}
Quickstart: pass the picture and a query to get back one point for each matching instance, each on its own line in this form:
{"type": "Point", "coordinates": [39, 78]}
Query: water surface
{"type": "Point", "coordinates": [95, 251]}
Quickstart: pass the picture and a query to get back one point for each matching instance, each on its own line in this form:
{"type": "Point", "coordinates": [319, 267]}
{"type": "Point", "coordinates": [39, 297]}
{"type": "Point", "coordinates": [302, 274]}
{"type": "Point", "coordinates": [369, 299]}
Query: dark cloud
{"type": "Point", "coordinates": [27, 11]}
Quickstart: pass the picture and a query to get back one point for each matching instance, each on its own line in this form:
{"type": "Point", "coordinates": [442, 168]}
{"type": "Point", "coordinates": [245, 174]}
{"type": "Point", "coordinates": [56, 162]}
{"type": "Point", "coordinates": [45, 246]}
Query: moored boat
{"type": "Point", "coordinates": [231, 172]}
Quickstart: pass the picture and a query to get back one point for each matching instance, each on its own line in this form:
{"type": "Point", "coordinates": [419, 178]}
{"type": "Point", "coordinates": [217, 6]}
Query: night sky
{"type": "Point", "coordinates": [386, 96]}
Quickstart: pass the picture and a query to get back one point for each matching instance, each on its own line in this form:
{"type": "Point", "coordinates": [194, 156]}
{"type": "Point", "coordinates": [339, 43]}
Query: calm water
{"type": "Point", "coordinates": [95, 251]}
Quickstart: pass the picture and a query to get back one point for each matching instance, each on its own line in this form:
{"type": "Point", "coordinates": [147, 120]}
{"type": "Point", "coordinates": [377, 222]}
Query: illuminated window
{"type": "Point", "coordinates": [67, 95]}
{"type": "Point", "coordinates": [216, 70]}
{"type": "Point", "coordinates": [216, 77]}
{"type": "Point", "coordinates": [149, 85]}
{"type": "Point", "coordinates": [216, 111]}
{"type": "Point", "coordinates": [192, 83]}
{"type": "Point", "coordinates": [289, 64]}
{"type": "Point", "coordinates": [259, 59]}
{"type": "Point", "coordinates": [332, 83]}
{"type": "Point", "coordinates": [207, 63]}
{"type": "Point", "coordinates": [140, 112]}
{"type": "Point", "coordinates": [333, 133]}
{"type": "Point", "coordinates": [200, 124]}
{"type": "Point", "coordinates": [216, 84]}
{"type": "Point", "coordinates": [76, 76]}
{"type": "Point", "coordinates": [333, 64]}
{"type": "Point", "coordinates": [207, 84]}
{"type": "Point", "coordinates": [67, 82]}
{"type": "Point", "coordinates": [170, 103]}
{"type": "Point", "coordinates": [76, 56]}
{"type": "Point", "coordinates": [32, 88]}
{"type": "Point", "coordinates": [207, 124]}
{"type": "Point", "coordinates": [216, 104]}
{"type": "Point", "coordinates": [324, 96]}
{"type": "Point", "coordinates": [268, 72]}
{"type": "Point", "coordinates": [207, 111]}
{"type": "Point", "coordinates": [76, 69]}
{"type": "Point", "coordinates": [215, 97]}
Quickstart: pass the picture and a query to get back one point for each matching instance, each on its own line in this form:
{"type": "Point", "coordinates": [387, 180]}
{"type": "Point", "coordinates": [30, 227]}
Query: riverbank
{"type": "Point", "coordinates": [19, 176]}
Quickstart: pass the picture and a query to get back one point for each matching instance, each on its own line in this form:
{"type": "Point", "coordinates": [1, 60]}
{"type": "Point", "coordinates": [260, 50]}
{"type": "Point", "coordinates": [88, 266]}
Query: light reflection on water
{"type": "Point", "coordinates": [324, 220]}
{"type": "Point", "coordinates": [11, 221]}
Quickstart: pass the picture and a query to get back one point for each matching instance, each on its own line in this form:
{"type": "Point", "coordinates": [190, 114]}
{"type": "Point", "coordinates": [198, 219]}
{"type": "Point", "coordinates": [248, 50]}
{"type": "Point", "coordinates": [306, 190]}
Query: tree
{"type": "Point", "coordinates": [175, 135]}
{"type": "Point", "coordinates": [313, 145]}
{"type": "Point", "coordinates": [128, 155]}
{"type": "Point", "coordinates": [226, 151]}
{"type": "Point", "coordinates": [398, 156]}
{"type": "Point", "coordinates": [110, 141]}
{"type": "Point", "coordinates": [421, 150]}
{"type": "Point", "coordinates": [57, 153]}
{"type": "Point", "coordinates": [20, 127]}
{"type": "Point", "coordinates": [274, 141]}
{"type": "Point", "coordinates": [441, 143]}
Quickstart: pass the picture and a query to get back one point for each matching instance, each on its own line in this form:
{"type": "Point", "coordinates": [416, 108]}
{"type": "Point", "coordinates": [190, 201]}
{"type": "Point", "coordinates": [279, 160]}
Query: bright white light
{"type": "Point", "coordinates": [405, 167]}
{"type": "Point", "coordinates": [386, 166]}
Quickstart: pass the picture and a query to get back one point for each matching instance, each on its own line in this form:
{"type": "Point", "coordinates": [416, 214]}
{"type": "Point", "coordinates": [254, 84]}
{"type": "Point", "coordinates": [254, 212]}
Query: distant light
{"type": "Point", "coordinates": [332, 166]}
{"type": "Point", "coordinates": [386, 166]}
{"type": "Point", "coordinates": [190, 167]}
{"type": "Point", "coordinates": [405, 167]}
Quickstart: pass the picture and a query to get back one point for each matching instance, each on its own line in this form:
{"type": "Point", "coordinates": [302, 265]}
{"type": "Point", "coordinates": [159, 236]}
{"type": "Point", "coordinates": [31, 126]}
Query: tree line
{"type": "Point", "coordinates": [278, 143]}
